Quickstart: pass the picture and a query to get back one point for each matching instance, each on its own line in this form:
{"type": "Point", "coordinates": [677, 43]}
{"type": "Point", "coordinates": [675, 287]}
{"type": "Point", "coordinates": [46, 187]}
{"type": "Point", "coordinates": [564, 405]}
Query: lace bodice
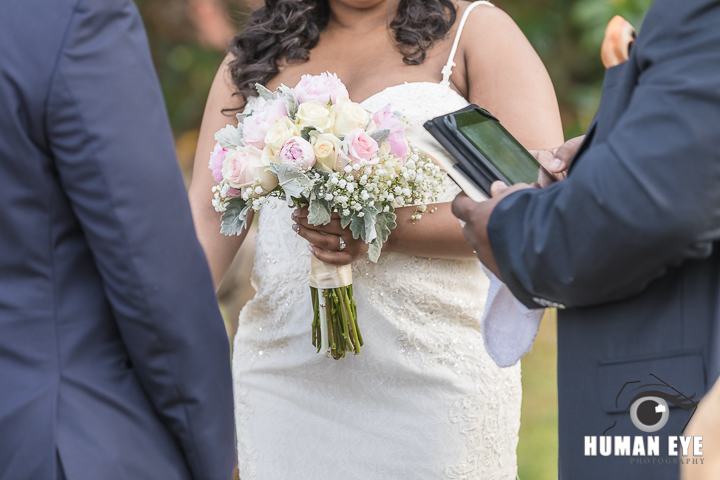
{"type": "Point", "coordinates": [423, 400]}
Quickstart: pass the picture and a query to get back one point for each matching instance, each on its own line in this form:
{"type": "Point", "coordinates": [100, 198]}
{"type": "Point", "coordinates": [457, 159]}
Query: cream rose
{"type": "Point", "coordinates": [280, 133]}
{"type": "Point", "coordinates": [315, 114]}
{"type": "Point", "coordinates": [348, 117]}
{"type": "Point", "coordinates": [326, 146]}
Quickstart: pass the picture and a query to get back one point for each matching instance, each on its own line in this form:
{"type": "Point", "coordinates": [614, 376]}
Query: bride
{"type": "Point", "coordinates": [423, 400]}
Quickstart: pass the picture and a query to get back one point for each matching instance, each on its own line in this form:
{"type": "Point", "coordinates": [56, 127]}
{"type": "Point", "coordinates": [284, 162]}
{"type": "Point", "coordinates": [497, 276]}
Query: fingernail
{"type": "Point", "coordinates": [312, 250]}
{"type": "Point", "coordinates": [557, 164]}
{"type": "Point", "coordinates": [296, 227]}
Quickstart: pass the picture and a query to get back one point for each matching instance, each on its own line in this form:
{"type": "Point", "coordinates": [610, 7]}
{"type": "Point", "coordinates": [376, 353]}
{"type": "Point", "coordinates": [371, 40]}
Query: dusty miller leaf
{"type": "Point", "coordinates": [229, 137]}
{"type": "Point", "coordinates": [384, 223]}
{"type": "Point", "coordinates": [234, 219]}
{"type": "Point", "coordinates": [294, 182]}
{"type": "Point", "coordinates": [319, 212]}
{"type": "Point", "coordinates": [380, 136]}
{"type": "Point", "coordinates": [264, 93]}
{"type": "Point", "coordinates": [305, 132]}
{"type": "Point", "coordinates": [374, 250]}
{"type": "Point", "coordinates": [290, 100]}
{"type": "Point", "coordinates": [364, 227]}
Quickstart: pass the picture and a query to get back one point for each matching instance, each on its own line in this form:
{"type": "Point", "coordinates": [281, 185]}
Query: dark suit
{"type": "Point", "coordinates": [113, 354]}
{"type": "Point", "coordinates": [630, 242]}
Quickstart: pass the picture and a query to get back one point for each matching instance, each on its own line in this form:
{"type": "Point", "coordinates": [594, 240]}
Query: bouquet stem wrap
{"type": "Point", "coordinates": [335, 330]}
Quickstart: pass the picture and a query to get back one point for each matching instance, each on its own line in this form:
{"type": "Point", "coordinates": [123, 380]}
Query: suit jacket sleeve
{"type": "Point", "coordinates": [644, 199]}
{"type": "Point", "coordinates": [114, 155]}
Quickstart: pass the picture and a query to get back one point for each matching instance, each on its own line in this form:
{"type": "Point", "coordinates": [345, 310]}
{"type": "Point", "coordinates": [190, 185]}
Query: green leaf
{"type": "Point", "coordinates": [229, 137]}
{"type": "Point", "coordinates": [384, 223]}
{"type": "Point", "coordinates": [345, 221]}
{"type": "Point", "coordinates": [357, 226]}
{"type": "Point", "coordinates": [374, 250]}
{"type": "Point", "coordinates": [319, 212]}
{"type": "Point", "coordinates": [234, 219]}
{"type": "Point", "coordinates": [293, 181]}
{"type": "Point", "coordinates": [290, 100]}
{"type": "Point", "coordinates": [305, 132]}
{"type": "Point", "coordinates": [264, 93]}
{"type": "Point", "coordinates": [380, 136]}
{"type": "Point", "coordinates": [364, 227]}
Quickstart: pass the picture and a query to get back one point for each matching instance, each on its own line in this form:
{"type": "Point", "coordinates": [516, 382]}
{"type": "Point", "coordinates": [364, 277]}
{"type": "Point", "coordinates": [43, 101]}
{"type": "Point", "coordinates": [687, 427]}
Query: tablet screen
{"type": "Point", "coordinates": [498, 146]}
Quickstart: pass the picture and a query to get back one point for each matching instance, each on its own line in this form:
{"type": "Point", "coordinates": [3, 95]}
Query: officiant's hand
{"type": "Point", "coordinates": [326, 241]}
{"type": "Point", "coordinates": [556, 161]}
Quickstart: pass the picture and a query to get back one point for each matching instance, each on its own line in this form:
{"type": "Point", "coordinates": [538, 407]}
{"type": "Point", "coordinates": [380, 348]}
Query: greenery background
{"type": "Point", "coordinates": [188, 39]}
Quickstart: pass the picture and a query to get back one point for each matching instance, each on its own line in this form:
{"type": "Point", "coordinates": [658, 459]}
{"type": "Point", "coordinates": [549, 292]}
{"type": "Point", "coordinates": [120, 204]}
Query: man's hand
{"type": "Point", "coordinates": [556, 161]}
{"type": "Point", "coordinates": [477, 215]}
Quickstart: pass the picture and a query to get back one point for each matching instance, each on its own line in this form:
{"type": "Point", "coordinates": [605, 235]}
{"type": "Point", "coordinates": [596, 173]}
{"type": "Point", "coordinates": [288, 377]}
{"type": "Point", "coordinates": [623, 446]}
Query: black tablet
{"type": "Point", "coordinates": [482, 149]}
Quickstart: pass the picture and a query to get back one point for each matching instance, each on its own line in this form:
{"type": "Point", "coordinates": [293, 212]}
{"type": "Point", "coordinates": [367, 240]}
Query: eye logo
{"type": "Point", "coordinates": [649, 410]}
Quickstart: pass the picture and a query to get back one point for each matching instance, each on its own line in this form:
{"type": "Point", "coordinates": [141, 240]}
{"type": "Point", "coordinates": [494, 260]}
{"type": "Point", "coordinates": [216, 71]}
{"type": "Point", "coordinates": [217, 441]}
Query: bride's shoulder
{"type": "Point", "coordinates": [484, 20]}
{"type": "Point", "coordinates": [489, 33]}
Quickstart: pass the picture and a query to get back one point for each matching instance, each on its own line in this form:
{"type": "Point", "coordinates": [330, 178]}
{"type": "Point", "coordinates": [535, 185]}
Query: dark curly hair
{"type": "Point", "coordinates": [286, 30]}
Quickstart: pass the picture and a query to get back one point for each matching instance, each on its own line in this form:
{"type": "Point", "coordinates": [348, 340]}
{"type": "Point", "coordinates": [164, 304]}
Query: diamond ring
{"type": "Point", "coordinates": [342, 244]}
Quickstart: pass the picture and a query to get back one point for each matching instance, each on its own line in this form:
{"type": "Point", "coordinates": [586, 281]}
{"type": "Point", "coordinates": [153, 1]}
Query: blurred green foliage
{"type": "Point", "coordinates": [567, 35]}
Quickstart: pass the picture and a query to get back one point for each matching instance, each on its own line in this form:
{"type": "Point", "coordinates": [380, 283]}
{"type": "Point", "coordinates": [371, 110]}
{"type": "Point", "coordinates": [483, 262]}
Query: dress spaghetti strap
{"type": "Point", "coordinates": [447, 69]}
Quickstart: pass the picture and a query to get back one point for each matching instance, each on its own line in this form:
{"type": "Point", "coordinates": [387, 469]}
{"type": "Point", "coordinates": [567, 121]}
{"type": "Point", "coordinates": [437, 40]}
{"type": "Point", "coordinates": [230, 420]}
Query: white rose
{"type": "Point", "coordinates": [315, 114]}
{"type": "Point", "coordinates": [348, 117]}
{"type": "Point", "coordinates": [280, 133]}
{"type": "Point", "coordinates": [268, 156]}
{"type": "Point", "coordinates": [326, 146]}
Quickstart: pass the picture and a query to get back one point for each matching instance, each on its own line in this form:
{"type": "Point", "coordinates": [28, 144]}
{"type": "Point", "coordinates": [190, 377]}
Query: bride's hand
{"type": "Point", "coordinates": [326, 241]}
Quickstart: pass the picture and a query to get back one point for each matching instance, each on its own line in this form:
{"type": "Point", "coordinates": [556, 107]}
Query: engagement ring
{"type": "Point", "coordinates": [342, 244]}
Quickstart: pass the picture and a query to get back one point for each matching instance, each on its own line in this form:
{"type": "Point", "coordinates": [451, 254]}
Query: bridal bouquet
{"type": "Point", "coordinates": [311, 146]}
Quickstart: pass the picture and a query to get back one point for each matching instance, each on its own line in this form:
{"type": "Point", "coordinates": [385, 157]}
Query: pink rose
{"type": "Point", "coordinates": [298, 152]}
{"type": "Point", "coordinates": [217, 157]}
{"type": "Point", "coordinates": [398, 146]}
{"type": "Point", "coordinates": [257, 125]}
{"type": "Point", "coordinates": [386, 120]}
{"type": "Point", "coordinates": [323, 88]}
{"type": "Point", "coordinates": [244, 168]}
{"type": "Point", "coordinates": [360, 145]}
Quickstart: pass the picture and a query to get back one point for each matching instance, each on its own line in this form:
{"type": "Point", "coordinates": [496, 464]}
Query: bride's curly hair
{"type": "Point", "coordinates": [286, 30]}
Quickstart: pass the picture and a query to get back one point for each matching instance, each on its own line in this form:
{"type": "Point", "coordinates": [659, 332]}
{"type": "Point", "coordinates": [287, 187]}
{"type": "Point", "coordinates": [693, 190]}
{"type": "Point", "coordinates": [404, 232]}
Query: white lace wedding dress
{"type": "Point", "coordinates": [423, 401]}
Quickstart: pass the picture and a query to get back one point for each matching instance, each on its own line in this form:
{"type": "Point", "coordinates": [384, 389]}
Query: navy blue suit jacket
{"type": "Point", "coordinates": [113, 354]}
{"type": "Point", "coordinates": [630, 242]}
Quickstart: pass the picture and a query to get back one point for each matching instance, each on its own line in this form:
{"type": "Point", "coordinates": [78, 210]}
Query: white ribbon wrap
{"type": "Point", "coordinates": [324, 275]}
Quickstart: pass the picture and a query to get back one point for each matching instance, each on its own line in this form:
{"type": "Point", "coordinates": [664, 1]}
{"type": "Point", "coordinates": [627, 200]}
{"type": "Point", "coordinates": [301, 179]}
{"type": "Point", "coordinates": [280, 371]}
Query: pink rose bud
{"type": "Point", "coordinates": [360, 145]}
{"type": "Point", "coordinates": [398, 146]}
{"type": "Point", "coordinates": [323, 88]}
{"type": "Point", "coordinates": [217, 157]}
{"type": "Point", "coordinates": [298, 152]}
{"type": "Point", "coordinates": [386, 120]}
